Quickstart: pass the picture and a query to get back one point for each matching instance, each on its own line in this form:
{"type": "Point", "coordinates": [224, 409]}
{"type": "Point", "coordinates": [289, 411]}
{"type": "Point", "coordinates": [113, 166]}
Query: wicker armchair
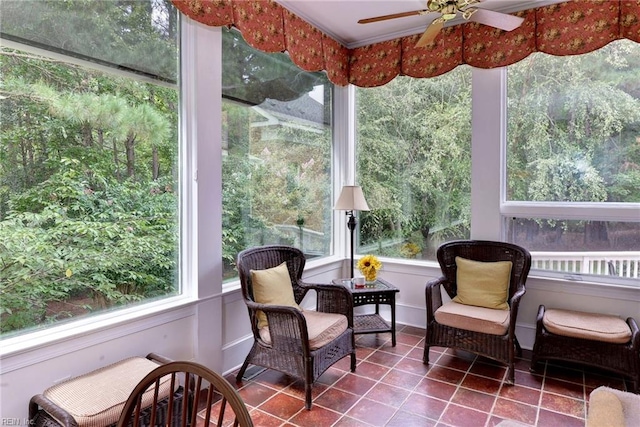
{"type": "Point", "coordinates": [498, 347]}
{"type": "Point", "coordinates": [289, 350]}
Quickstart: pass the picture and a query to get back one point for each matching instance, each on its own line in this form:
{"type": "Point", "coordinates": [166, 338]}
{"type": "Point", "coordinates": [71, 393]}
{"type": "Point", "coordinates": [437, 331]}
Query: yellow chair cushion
{"type": "Point", "coordinates": [322, 328]}
{"type": "Point", "coordinates": [483, 284]}
{"type": "Point", "coordinates": [97, 398]}
{"type": "Point", "coordinates": [473, 318]}
{"type": "Point", "coordinates": [589, 326]}
{"type": "Point", "coordinates": [272, 286]}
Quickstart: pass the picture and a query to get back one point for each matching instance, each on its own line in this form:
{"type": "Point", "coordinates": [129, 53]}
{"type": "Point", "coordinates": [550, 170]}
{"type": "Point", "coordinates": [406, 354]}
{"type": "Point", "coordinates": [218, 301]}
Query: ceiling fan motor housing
{"type": "Point", "coordinates": [450, 8]}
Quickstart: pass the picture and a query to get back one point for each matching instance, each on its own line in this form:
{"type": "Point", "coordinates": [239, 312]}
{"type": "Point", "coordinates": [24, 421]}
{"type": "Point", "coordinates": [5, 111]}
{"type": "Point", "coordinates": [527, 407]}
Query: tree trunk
{"type": "Point", "coordinates": [87, 135]}
{"type": "Point", "coordinates": [131, 155]}
{"type": "Point", "coordinates": [101, 138]}
{"type": "Point", "coordinates": [156, 163]}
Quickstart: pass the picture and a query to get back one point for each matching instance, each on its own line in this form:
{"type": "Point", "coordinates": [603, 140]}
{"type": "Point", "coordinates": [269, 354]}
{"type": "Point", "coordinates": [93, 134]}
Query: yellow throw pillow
{"type": "Point", "coordinates": [483, 284]}
{"type": "Point", "coordinates": [272, 286]}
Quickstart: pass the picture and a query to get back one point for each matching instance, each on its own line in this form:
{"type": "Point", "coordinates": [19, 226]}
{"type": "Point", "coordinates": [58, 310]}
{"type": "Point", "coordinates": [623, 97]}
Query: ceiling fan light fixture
{"type": "Point", "coordinates": [464, 3]}
{"type": "Point", "coordinates": [467, 13]}
{"type": "Point", "coordinates": [434, 5]}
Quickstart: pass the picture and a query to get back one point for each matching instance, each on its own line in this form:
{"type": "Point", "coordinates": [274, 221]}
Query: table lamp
{"type": "Point", "coordinates": [351, 199]}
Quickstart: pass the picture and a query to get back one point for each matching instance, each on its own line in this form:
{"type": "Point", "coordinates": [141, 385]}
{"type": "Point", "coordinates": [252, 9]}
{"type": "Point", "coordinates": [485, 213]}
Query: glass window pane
{"type": "Point", "coordinates": [133, 35]}
{"type": "Point", "coordinates": [89, 217]}
{"type": "Point", "coordinates": [574, 144]}
{"type": "Point", "coordinates": [574, 127]}
{"type": "Point", "coordinates": [414, 164]}
{"type": "Point", "coordinates": [605, 247]}
{"type": "Point", "coordinates": [276, 146]}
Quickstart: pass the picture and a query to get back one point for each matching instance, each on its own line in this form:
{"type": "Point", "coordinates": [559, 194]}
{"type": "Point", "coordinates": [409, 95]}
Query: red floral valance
{"type": "Point", "coordinates": [267, 26]}
{"type": "Point", "coordinates": [570, 28]}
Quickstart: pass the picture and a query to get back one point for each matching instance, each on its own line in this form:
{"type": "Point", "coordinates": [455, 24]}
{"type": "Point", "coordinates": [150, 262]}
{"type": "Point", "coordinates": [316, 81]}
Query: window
{"type": "Point", "coordinates": [89, 217]}
{"type": "Point", "coordinates": [573, 160]}
{"type": "Point", "coordinates": [413, 163]}
{"type": "Point", "coordinates": [276, 142]}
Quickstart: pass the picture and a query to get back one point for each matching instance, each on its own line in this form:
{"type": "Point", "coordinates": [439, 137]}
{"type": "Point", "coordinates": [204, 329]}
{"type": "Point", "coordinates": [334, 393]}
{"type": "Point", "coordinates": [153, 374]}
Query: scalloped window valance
{"type": "Point", "coordinates": [570, 28]}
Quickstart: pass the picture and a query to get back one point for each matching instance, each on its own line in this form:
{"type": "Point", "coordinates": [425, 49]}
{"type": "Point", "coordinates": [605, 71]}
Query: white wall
{"type": "Point", "coordinates": [26, 373]}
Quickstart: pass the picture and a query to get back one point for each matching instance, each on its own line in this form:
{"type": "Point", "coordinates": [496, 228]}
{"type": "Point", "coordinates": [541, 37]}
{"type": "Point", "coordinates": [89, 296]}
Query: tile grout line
{"type": "Point", "coordinates": [344, 414]}
{"type": "Point", "coordinates": [495, 400]}
{"type": "Point", "coordinates": [458, 386]}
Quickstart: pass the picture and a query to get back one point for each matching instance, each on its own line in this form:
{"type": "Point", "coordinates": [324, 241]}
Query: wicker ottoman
{"type": "Point", "coordinates": [96, 399]}
{"type": "Point", "coordinates": [602, 341]}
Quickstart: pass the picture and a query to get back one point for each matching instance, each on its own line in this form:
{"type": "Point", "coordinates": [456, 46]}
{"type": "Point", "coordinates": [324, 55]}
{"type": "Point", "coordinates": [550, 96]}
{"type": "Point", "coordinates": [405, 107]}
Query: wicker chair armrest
{"type": "Point", "coordinates": [252, 305]}
{"type": "Point", "coordinates": [514, 305]}
{"type": "Point", "coordinates": [539, 316]}
{"type": "Point", "coordinates": [433, 295]}
{"type": "Point", "coordinates": [58, 413]}
{"type": "Point", "coordinates": [272, 308]}
{"type": "Point", "coordinates": [517, 295]}
{"type": "Point", "coordinates": [331, 298]}
{"type": "Point", "coordinates": [288, 329]}
{"type": "Point", "coordinates": [635, 333]}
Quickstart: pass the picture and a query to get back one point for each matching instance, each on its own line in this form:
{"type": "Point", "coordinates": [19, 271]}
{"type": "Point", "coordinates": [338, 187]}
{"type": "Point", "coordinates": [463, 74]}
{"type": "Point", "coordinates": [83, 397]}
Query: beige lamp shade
{"type": "Point", "coordinates": [351, 199]}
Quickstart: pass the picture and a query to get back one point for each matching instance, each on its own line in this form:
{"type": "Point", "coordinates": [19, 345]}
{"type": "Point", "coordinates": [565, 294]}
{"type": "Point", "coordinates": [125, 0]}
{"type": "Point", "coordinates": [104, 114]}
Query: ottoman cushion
{"type": "Point", "coordinates": [97, 398]}
{"type": "Point", "coordinates": [589, 326]}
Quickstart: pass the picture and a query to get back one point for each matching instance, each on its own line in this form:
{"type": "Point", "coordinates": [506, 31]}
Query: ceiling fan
{"type": "Point", "coordinates": [448, 10]}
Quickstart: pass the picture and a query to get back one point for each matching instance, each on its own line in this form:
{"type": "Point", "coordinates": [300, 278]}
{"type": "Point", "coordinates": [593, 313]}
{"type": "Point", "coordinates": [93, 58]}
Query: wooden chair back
{"type": "Point", "coordinates": [207, 397]}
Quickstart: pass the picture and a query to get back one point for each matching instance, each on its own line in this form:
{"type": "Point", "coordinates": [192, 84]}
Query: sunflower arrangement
{"type": "Point", "coordinates": [369, 266]}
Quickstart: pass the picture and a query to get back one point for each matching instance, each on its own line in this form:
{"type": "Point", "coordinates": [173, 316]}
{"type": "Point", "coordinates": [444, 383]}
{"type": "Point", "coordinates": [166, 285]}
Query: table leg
{"type": "Point", "coordinates": [393, 321]}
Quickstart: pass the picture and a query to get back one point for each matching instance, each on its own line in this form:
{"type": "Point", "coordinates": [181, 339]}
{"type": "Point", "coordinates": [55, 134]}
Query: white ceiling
{"type": "Point", "coordinates": [339, 18]}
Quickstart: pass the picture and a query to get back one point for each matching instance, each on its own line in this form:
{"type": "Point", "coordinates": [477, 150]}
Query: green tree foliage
{"type": "Point", "coordinates": [136, 35]}
{"type": "Point", "coordinates": [276, 145]}
{"type": "Point", "coordinates": [574, 127]}
{"type": "Point", "coordinates": [86, 242]}
{"type": "Point", "coordinates": [414, 138]}
{"type": "Point", "coordinates": [273, 176]}
{"type": "Point", "coordinates": [88, 201]}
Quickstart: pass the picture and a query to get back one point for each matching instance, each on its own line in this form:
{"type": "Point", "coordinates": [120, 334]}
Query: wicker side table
{"type": "Point", "coordinates": [379, 292]}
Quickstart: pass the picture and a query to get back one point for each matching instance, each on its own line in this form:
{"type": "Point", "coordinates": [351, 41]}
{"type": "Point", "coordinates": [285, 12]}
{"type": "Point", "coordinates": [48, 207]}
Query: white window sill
{"type": "Point", "coordinates": [627, 290]}
{"type": "Point", "coordinates": [98, 328]}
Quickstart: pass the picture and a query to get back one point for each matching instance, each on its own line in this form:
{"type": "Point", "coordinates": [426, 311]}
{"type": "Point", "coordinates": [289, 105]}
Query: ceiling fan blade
{"type": "Point", "coordinates": [499, 20]}
{"type": "Point", "coordinates": [392, 16]}
{"type": "Point", "coordinates": [432, 31]}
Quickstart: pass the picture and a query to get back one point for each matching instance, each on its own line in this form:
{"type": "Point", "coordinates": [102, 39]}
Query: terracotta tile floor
{"type": "Point", "coordinates": [392, 387]}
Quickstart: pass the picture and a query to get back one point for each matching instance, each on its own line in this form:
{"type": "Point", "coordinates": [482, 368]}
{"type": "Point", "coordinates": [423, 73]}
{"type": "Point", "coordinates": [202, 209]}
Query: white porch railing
{"type": "Point", "coordinates": [622, 264]}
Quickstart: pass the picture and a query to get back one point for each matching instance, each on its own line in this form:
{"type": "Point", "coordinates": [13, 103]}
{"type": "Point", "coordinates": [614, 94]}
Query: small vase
{"type": "Point", "coordinates": [371, 277]}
